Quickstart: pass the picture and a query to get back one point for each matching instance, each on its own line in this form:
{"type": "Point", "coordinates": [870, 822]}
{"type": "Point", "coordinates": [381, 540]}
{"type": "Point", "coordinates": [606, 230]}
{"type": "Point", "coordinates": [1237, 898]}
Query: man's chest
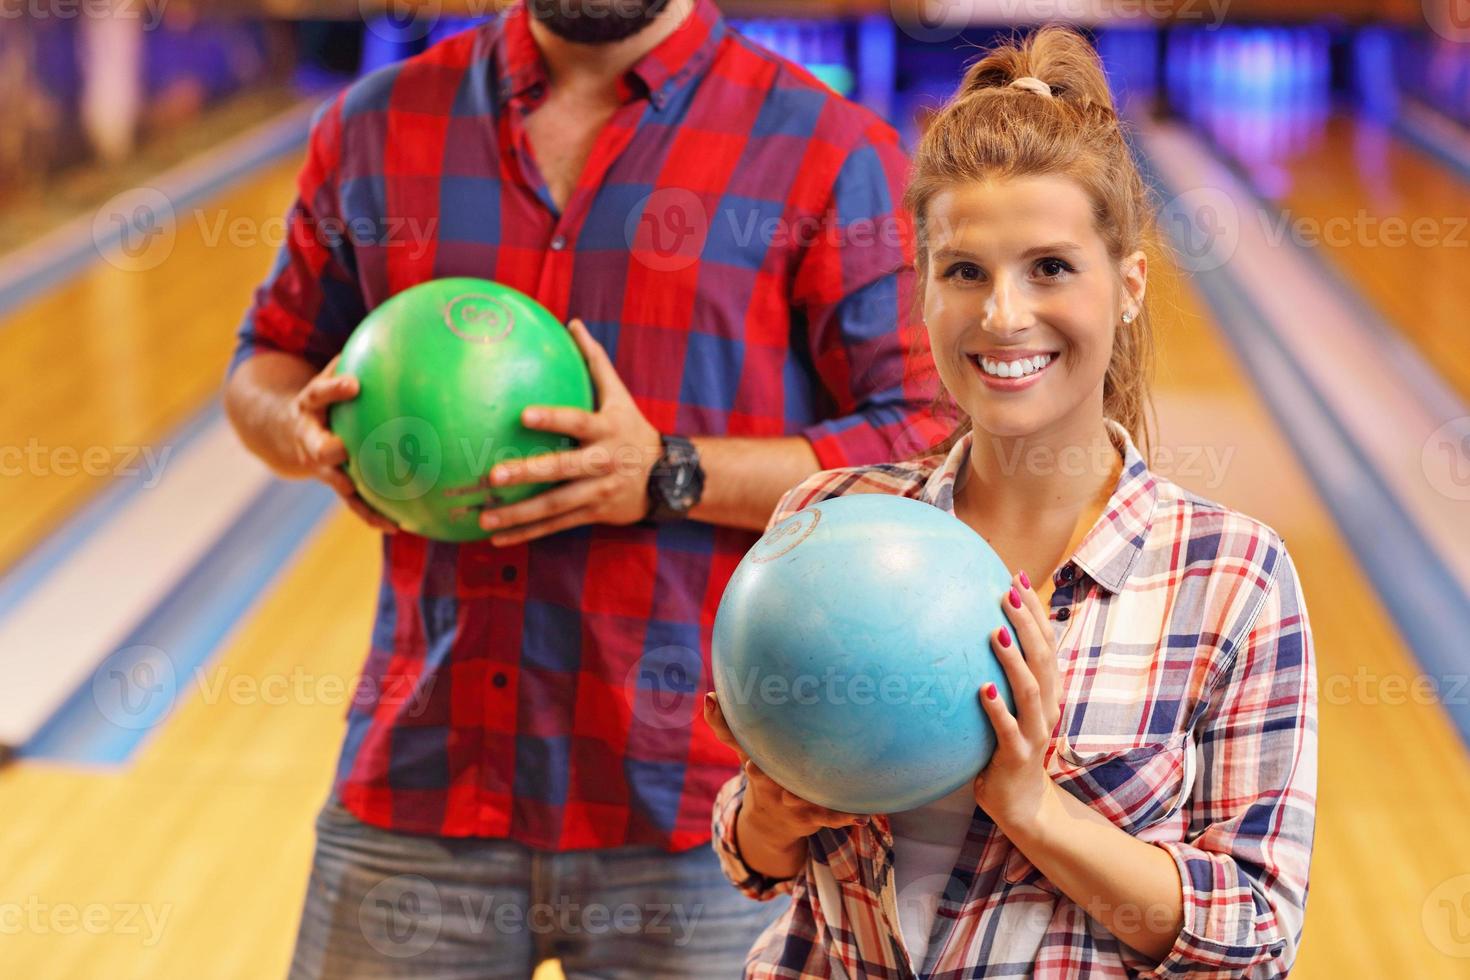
{"type": "Point", "coordinates": [561, 136]}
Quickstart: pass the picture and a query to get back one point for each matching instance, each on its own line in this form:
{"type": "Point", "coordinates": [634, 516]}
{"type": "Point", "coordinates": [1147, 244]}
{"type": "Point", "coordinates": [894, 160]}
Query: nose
{"type": "Point", "coordinates": [1006, 308]}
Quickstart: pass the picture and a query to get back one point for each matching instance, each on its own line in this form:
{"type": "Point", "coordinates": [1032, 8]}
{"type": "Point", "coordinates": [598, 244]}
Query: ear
{"type": "Point", "coordinates": [1133, 270]}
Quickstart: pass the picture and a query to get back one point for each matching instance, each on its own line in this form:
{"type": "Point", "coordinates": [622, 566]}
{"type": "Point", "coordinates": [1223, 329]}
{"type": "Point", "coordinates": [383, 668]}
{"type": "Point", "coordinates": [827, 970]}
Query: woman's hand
{"type": "Point", "coordinates": [778, 812]}
{"type": "Point", "coordinates": [1013, 787]}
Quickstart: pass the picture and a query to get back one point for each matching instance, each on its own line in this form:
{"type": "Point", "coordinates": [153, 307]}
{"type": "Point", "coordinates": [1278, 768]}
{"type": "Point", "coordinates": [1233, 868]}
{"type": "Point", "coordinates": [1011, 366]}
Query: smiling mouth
{"type": "Point", "coordinates": [1007, 370]}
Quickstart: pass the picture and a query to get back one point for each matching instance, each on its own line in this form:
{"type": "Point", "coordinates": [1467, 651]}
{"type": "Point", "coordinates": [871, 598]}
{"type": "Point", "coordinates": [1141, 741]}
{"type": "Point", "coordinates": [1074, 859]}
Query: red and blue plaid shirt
{"type": "Point", "coordinates": [1189, 719]}
{"type": "Point", "coordinates": [735, 242]}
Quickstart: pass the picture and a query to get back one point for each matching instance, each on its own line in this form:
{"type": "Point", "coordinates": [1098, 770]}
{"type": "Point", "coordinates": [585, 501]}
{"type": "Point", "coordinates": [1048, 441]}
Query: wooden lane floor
{"type": "Point", "coordinates": [193, 857]}
{"type": "Point", "coordinates": [117, 358]}
{"type": "Point", "coordinates": [1394, 775]}
{"type": "Point", "coordinates": [1396, 224]}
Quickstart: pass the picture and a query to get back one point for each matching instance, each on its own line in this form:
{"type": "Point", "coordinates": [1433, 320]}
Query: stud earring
{"type": "Point", "coordinates": [1127, 317]}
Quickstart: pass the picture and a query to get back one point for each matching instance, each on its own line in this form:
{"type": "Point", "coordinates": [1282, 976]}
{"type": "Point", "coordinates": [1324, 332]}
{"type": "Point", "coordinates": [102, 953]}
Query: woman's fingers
{"type": "Point", "coordinates": [1033, 627]}
{"type": "Point", "coordinates": [1007, 731]}
{"type": "Point", "coordinates": [1024, 689]}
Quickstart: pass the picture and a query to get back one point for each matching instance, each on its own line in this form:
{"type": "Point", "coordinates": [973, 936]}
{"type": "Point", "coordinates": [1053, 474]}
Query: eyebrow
{"type": "Point", "coordinates": [949, 251]}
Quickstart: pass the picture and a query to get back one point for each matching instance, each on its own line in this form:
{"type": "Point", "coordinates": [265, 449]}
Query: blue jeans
{"type": "Point", "coordinates": [381, 904]}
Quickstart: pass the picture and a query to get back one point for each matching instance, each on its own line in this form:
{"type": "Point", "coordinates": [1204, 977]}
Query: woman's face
{"type": "Point", "coordinates": [1018, 282]}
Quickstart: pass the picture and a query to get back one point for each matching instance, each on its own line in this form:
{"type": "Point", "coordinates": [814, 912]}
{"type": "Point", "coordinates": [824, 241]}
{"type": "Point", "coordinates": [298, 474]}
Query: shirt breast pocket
{"type": "Point", "coordinates": [1135, 787]}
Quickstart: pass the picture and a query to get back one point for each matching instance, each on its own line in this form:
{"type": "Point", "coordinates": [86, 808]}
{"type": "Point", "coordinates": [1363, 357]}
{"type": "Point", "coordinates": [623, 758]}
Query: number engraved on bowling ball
{"type": "Point", "coordinates": [786, 536]}
{"type": "Point", "coordinates": [479, 318]}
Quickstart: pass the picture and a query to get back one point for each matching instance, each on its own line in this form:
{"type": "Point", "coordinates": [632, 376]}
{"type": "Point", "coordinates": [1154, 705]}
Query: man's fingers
{"type": "Point", "coordinates": [326, 448]}
{"type": "Point", "coordinates": [321, 392]}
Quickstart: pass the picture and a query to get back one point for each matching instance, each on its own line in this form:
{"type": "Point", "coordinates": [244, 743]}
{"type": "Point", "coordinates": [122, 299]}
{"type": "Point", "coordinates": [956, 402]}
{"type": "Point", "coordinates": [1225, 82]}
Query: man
{"type": "Point", "coordinates": [523, 776]}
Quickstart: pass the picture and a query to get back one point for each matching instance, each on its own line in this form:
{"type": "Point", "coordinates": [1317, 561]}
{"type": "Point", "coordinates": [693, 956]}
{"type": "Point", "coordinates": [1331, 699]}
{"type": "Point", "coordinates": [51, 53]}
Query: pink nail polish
{"type": "Point", "coordinates": [1015, 599]}
{"type": "Point", "coordinates": [1005, 638]}
{"type": "Point", "coordinates": [991, 691]}
{"type": "Point", "coordinates": [1025, 581]}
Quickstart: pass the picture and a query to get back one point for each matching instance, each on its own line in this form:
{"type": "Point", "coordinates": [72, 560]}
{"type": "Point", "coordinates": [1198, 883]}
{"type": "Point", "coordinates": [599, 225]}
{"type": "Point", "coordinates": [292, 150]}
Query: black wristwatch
{"type": "Point", "coordinates": [676, 482]}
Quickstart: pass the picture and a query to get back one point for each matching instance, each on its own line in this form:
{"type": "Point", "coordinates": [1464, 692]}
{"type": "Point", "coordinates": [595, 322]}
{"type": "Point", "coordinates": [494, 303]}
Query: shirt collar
{"type": "Point", "coordinates": [1111, 548]}
{"type": "Point", "coordinates": [520, 68]}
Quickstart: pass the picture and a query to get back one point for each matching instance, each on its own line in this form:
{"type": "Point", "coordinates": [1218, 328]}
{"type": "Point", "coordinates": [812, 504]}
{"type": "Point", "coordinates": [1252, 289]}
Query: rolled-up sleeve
{"type": "Point", "coordinates": [311, 301]}
{"type": "Point", "coordinates": [752, 883]}
{"type": "Point", "coordinates": [1245, 860]}
{"type": "Point", "coordinates": [854, 293]}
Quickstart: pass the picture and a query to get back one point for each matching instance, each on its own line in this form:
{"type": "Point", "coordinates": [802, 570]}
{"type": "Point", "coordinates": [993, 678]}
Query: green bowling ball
{"type": "Point", "coordinates": [445, 370]}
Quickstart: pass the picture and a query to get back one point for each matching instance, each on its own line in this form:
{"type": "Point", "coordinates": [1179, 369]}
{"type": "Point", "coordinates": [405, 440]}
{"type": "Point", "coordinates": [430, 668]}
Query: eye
{"type": "Point", "coordinates": [1054, 268]}
{"type": "Point", "coordinates": [963, 271]}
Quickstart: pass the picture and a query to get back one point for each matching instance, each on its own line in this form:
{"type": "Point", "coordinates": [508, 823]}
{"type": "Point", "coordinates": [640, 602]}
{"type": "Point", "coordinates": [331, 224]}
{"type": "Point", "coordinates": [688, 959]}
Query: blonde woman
{"type": "Point", "coordinates": [1149, 809]}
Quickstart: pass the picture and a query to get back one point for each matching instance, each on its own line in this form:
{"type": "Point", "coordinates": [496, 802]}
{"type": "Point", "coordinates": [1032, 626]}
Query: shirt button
{"type": "Point", "coordinates": [1064, 614]}
{"type": "Point", "coordinates": [508, 574]}
{"type": "Point", "coordinates": [499, 679]}
{"type": "Point", "coordinates": [1065, 575]}
{"type": "Point", "coordinates": [558, 243]}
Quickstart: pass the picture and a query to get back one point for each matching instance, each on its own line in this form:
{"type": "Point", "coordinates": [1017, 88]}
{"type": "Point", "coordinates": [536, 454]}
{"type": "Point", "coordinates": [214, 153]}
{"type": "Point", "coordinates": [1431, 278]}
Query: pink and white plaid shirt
{"type": "Point", "coordinates": [1189, 719]}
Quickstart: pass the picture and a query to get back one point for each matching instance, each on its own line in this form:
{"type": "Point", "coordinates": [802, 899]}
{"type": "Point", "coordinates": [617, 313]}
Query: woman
{"type": "Point", "coordinates": [1149, 808]}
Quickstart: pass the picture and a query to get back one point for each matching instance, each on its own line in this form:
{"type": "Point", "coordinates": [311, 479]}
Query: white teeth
{"type": "Point", "coordinates": [1015, 369]}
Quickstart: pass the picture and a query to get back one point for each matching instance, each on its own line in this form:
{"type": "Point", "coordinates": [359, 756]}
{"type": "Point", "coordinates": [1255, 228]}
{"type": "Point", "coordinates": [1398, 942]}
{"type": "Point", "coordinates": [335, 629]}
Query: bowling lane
{"type": "Point", "coordinates": [1394, 775]}
{"type": "Point", "coordinates": [204, 840]}
{"type": "Point", "coordinates": [113, 362]}
{"type": "Point", "coordinates": [1392, 220]}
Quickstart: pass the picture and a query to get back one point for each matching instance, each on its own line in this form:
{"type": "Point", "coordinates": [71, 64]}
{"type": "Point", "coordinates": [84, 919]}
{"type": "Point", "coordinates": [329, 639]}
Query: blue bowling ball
{"type": "Point", "coordinates": [850, 647]}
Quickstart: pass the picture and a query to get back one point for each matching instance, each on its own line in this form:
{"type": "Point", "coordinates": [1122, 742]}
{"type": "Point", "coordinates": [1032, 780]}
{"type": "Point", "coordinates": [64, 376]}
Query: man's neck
{"type": "Point", "coordinates": [587, 66]}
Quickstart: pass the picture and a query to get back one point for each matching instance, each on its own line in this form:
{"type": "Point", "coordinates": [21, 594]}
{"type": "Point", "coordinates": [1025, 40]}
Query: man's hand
{"type": "Point", "coordinates": [317, 449]}
{"type": "Point", "coordinates": [607, 473]}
